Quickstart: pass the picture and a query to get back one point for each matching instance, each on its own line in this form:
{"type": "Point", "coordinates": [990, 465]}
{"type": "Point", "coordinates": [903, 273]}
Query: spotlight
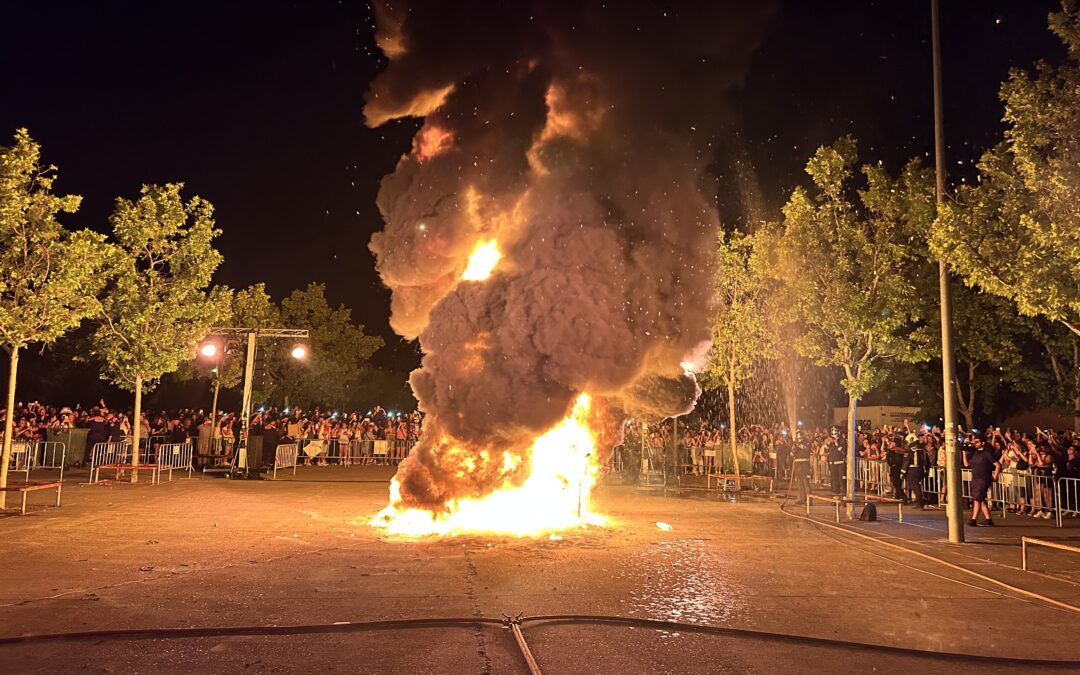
{"type": "Point", "coordinates": [208, 349]}
{"type": "Point", "coordinates": [298, 352]}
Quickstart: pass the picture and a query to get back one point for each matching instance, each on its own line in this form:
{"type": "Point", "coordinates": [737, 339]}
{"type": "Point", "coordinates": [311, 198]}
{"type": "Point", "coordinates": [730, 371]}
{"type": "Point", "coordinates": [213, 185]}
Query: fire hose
{"type": "Point", "coordinates": [516, 625]}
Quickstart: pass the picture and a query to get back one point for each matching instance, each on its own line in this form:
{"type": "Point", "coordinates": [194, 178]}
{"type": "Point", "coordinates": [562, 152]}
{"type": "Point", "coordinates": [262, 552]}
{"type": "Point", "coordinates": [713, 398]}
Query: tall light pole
{"type": "Point", "coordinates": [252, 335]}
{"type": "Point", "coordinates": [954, 510]}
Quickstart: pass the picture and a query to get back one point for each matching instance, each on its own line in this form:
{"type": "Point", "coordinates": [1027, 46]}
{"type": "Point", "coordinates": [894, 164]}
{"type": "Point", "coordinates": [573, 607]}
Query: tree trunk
{"type": "Point", "coordinates": [967, 408]}
{"type": "Point", "coordinates": [213, 412]}
{"type": "Point", "coordinates": [9, 418]}
{"type": "Point", "coordinates": [731, 418]}
{"type": "Point", "coordinates": [136, 428]}
{"type": "Point", "coordinates": [853, 405]}
{"type": "Point", "coordinates": [1076, 382]}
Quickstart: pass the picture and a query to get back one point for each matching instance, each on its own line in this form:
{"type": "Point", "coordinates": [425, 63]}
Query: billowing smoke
{"type": "Point", "coordinates": [576, 136]}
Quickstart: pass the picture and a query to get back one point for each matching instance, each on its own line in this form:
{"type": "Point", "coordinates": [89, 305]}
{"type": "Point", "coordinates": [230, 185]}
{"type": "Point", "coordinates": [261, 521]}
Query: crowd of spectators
{"type": "Point", "coordinates": [1025, 462]}
{"type": "Point", "coordinates": [34, 421]}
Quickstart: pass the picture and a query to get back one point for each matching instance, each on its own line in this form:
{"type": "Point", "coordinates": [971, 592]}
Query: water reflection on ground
{"type": "Point", "coordinates": [684, 580]}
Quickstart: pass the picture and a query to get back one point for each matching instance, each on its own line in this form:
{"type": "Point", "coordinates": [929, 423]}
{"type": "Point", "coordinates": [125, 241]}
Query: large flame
{"type": "Point", "coordinates": [562, 471]}
{"type": "Point", "coordinates": [482, 261]}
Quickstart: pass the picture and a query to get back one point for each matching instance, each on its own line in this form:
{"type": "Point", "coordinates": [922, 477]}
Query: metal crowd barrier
{"type": "Point", "coordinates": [285, 457]}
{"type": "Point", "coordinates": [117, 455]}
{"type": "Point", "coordinates": [819, 470]}
{"type": "Point", "coordinates": [172, 456]}
{"type": "Point", "coordinates": [652, 465]}
{"type": "Point", "coordinates": [1068, 497]}
{"type": "Point", "coordinates": [49, 455]}
{"type": "Point", "coordinates": [22, 458]}
{"type": "Point", "coordinates": [1012, 489]}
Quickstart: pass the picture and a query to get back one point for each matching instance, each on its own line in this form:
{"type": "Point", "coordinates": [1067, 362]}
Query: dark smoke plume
{"type": "Point", "coordinates": [576, 135]}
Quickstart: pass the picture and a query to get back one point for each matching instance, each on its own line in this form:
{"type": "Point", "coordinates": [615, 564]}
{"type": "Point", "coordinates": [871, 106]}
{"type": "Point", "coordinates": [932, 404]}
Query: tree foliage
{"type": "Point", "coordinates": [159, 303]}
{"type": "Point", "coordinates": [1017, 232]}
{"type": "Point", "coordinates": [338, 354]}
{"type": "Point", "coordinates": [48, 275]}
{"type": "Point", "coordinates": [741, 333]}
{"type": "Point", "coordinates": [845, 258]}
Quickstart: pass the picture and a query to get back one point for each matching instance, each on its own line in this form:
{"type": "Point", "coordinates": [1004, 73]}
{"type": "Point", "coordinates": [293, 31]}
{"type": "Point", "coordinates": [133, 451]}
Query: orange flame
{"type": "Point", "coordinates": [563, 469]}
{"type": "Point", "coordinates": [482, 261]}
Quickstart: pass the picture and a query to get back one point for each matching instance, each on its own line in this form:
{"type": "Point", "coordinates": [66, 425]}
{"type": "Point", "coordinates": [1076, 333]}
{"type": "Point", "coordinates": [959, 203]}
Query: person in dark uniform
{"type": "Point", "coordinates": [836, 466]}
{"type": "Point", "coordinates": [895, 460]}
{"type": "Point", "coordinates": [914, 467]}
{"type": "Point", "coordinates": [984, 471]}
{"type": "Point", "coordinates": [801, 468]}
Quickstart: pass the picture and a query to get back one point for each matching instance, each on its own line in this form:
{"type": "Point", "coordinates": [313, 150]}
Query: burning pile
{"type": "Point", "coordinates": [548, 239]}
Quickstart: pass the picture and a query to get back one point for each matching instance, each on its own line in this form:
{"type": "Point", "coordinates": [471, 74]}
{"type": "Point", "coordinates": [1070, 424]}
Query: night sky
{"type": "Point", "coordinates": [257, 106]}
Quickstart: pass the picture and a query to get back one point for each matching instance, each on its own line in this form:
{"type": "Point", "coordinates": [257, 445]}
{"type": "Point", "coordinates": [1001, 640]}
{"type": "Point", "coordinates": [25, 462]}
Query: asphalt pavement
{"type": "Point", "coordinates": [295, 562]}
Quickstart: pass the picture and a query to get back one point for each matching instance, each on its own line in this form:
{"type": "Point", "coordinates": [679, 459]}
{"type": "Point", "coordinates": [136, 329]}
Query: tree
{"type": "Point", "coordinates": [844, 258]}
{"type": "Point", "coordinates": [159, 305]}
{"type": "Point", "coordinates": [989, 335]}
{"type": "Point", "coordinates": [338, 356]}
{"type": "Point", "coordinates": [1016, 233]}
{"type": "Point", "coordinates": [740, 328]}
{"type": "Point", "coordinates": [48, 275]}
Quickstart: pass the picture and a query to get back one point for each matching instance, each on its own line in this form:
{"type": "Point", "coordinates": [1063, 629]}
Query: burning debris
{"type": "Point", "coordinates": [547, 239]}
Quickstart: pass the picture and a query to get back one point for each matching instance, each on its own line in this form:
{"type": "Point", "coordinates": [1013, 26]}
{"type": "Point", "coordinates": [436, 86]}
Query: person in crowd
{"type": "Point", "coordinates": [984, 471]}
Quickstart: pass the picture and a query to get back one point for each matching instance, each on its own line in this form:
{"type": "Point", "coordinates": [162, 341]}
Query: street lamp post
{"type": "Point", "coordinates": [954, 508]}
{"type": "Point", "coordinates": [252, 335]}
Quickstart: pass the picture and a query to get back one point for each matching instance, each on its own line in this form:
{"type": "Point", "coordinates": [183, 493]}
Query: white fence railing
{"type": "Point", "coordinates": [1068, 498]}
{"type": "Point", "coordinates": [117, 455]}
{"type": "Point", "coordinates": [1013, 489]}
{"type": "Point", "coordinates": [286, 456]}
{"type": "Point", "coordinates": [174, 456]}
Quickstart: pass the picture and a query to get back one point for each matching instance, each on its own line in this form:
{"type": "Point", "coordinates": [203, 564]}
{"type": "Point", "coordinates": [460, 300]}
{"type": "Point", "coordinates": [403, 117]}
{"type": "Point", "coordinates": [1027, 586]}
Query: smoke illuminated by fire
{"type": "Point", "coordinates": [549, 233]}
{"type": "Point", "coordinates": [562, 470]}
{"type": "Point", "coordinates": [434, 140]}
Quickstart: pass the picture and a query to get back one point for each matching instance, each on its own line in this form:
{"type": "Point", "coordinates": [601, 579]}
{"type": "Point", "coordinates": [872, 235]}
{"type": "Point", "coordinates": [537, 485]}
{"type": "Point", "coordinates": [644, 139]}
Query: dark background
{"type": "Point", "coordinates": [257, 107]}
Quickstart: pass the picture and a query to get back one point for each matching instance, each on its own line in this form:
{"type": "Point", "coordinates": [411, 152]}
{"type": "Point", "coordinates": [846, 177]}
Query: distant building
{"type": "Point", "coordinates": [874, 416]}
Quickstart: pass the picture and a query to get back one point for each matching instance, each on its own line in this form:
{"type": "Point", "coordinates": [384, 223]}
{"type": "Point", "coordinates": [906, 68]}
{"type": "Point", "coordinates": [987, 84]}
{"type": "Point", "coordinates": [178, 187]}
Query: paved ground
{"type": "Point", "coordinates": [211, 552]}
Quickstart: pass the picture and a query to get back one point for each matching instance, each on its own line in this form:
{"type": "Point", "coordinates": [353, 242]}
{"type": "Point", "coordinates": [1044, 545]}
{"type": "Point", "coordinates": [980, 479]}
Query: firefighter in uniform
{"type": "Point", "coordinates": [915, 464]}
{"type": "Point", "coordinates": [895, 460]}
{"type": "Point", "coordinates": [836, 466]}
{"type": "Point", "coordinates": [801, 470]}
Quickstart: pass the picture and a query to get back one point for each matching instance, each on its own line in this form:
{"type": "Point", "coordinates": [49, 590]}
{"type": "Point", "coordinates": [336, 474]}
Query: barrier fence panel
{"type": "Point", "coordinates": [362, 451]}
{"type": "Point", "coordinates": [652, 465]}
{"type": "Point", "coordinates": [172, 456]}
{"type": "Point", "coordinates": [1040, 490]}
{"type": "Point", "coordinates": [49, 455]}
{"type": "Point", "coordinates": [285, 457]}
{"type": "Point", "coordinates": [21, 459]}
{"type": "Point", "coordinates": [819, 470]}
{"type": "Point", "coordinates": [108, 454]}
{"type": "Point", "coordinates": [1068, 498]}
{"type": "Point", "coordinates": [933, 484]}
{"type": "Point", "coordinates": [337, 452]}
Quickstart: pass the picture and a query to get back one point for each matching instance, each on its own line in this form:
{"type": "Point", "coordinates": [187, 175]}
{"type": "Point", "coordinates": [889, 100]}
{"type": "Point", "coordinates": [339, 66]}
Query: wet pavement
{"type": "Point", "coordinates": [212, 552]}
